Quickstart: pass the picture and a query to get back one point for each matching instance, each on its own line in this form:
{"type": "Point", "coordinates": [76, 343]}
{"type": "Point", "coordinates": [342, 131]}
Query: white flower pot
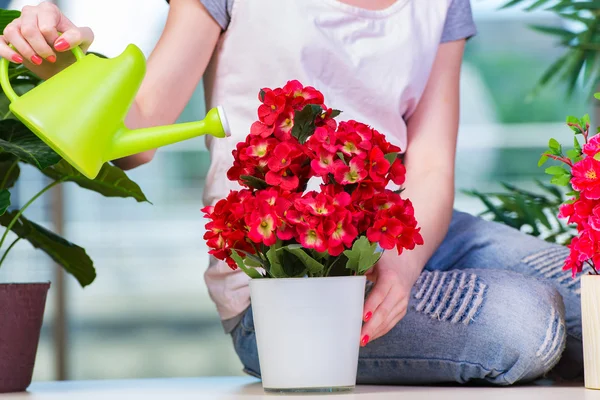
{"type": "Point", "coordinates": [308, 332]}
{"type": "Point", "coordinates": [590, 320]}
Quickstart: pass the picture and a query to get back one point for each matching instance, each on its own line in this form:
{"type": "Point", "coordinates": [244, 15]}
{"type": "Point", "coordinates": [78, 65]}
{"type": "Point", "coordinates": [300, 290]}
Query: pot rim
{"type": "Point", "coordinates": [44, 283]}
{"type": "Point", "coordinates": [310, 279]}
{"type": "Point", "coordinates": [586, 276]}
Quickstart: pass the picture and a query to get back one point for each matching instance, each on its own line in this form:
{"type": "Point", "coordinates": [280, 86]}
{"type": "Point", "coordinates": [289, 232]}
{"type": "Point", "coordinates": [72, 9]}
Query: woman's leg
{"type": "Point", "coordinates": [477, 325]}
{"type": "Point", "coordinates": [470, 325]}
{"type": "Point", "coordinates": [472, 242]}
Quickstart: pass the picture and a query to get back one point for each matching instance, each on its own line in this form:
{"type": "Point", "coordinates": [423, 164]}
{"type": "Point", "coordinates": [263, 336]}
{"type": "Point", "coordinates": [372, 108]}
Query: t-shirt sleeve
{"type": "Point", "coordinates": [220, 10]}
{"type": "Point", "coordinates": [459, 22]}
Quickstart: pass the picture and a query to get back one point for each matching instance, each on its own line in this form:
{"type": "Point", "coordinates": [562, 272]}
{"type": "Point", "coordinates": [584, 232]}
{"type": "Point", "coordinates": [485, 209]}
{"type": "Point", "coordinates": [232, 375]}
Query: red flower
{"type": "Point", "coordinates": [263, 226]}
{"type": "Point", "coordinates": [586, 178]}
{"type": "Point", "coordinates": [398, 172]}
{"type": "Point", "coordinates": [312, 237]}
{"type": "Point", "coordinates": [284, 179]}
{"type": "Point", "coordinates": [281, 158]}
{"type": "Point", "coordinates": [302, 95]}
{"type": "Point", "coordinates": [350, 174]}
{"type": "Point", "coordinates": [385, 231]}
{"type": "Point", "coordinates": [378, 165]}
{"type": "Point", "coordinates": [592, 147]}
{"type": "Point", "coordinates": [284, 125]}
{"type": "Point", "coordinates": [272, 106]}
{"type": "Point", "coordinates": [324, 164]}
{"type": "Point", "coordinates": [260, 129]}
{"type": "Point", "coordinates": [340, 231]}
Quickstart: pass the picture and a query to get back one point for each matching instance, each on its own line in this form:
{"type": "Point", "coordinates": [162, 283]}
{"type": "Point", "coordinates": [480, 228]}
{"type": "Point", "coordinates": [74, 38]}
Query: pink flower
{"type": "Point", "coordinates": [592, 147]}
{"type": "Point", "coordinates": [586, 178]}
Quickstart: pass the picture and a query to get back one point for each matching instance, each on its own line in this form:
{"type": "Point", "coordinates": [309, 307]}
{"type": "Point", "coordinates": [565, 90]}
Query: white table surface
{"type": "Point", "coordinates": [249, 388]}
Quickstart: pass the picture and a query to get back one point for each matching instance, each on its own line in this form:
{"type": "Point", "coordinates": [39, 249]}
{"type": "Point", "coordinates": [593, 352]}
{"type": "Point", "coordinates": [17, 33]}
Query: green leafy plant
{"type": "Point", "coordinates": [18, 147]}
{"type": "Point", "coordinates": [581, 41]}
{"type": "Point", "coordinates": [529, 212]}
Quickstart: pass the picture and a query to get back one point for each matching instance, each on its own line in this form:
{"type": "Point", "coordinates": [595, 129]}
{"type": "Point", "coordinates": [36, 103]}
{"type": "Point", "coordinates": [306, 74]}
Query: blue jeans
{"type": "Point", "coordinates": [491, 306]}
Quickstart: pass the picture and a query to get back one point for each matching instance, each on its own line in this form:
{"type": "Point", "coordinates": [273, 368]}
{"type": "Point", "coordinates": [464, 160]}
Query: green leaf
{"type": "Point", "coordinates": [391, 157]}
{"type": "Point", "coordinates": [585, 120]}
{"type": "Point", "coordinates": [597, 96]}
{"type": "Point", "coordinates": [292, 266]}
{"type": "Point", "coordinates": [556, 170]}
{"type": "Point", "coordinates": [251, 272]}
{"type": "Point", "coordinates": [362, 256]}
{"type": "Point", "coordinates": [261, 95]}
{"type": "Point", "coordinates": [251, 260]}
{"type": "Point", "coordinates": [4, 200]}
{"type": "Point", "coordinates": [7, 16]}
{"type": "Point", "coordinates": [110, 182]}
{"type": "Point", "coordinates": [573, 154]}
{"type": "Point", "coordinates": [561, 180]}
{"type": "Point", "coordinates": [304, 122]}
{"type": "Point", "coordinates": [312, 265]}
{"type": "Point", "coordinates": [254, 182]}
{"type": "Point", "coordinates": [275, 269]}
{"type": "Point", "coordinates": [16, 139]}
{"type": "Point", "coordinates": [573, 120]}
{"type": "Point", "coordinates": [341, 157]}
{"type": "Point", "coordinates": [542, 160]}
{"type": "Point", "coordinates": [554, 145]}
{"type": "Point", "coordinates": [576, 144]}
{"type": "Point", "coordinates": [335, 113]}
{"type": "Point", "coordinates": [73, 258]}
{"type": "Point", "coordinates": [9, 170]}
{"type": "Point", "coordinates": [597, 156]}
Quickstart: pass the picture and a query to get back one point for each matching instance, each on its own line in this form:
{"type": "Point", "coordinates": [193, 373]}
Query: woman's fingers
{"type": "Point", "coordinates": [74, 37]}
{"type": "Point", "coordinates": [393, 319]}
{"type": "Point", "coordinates": [377, 308]}
{"type": "Point", "coordinates": [30, 31]}
{"type": "Point", "coordinates": [7, 52]}
{"type": "Point", "coordinates": [12, 34]}
{"type": "Point", "coordinates": [48, 19]}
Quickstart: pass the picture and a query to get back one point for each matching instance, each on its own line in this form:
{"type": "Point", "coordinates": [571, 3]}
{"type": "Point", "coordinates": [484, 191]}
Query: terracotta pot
{"type": "Point", "coordinates": [21, 315]}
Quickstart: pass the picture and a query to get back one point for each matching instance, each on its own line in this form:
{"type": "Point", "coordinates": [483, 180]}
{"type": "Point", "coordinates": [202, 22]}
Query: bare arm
{"type": "Point", "coordinates": [174, 68]}
{"type": "Point", "coordinates": [430, 155]}
{"type": "Point", "coordinates": [431, 151]}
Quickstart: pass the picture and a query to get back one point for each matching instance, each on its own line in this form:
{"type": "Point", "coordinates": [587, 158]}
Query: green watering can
{"type": "Point", "coordinates": [80, 112]}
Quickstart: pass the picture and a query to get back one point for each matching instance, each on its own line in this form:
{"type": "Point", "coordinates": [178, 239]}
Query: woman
{"type": "Point", "coordinates": [479, 301]}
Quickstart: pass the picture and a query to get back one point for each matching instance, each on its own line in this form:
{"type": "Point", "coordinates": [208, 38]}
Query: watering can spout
{"type": "Point", "coordinates": [80, 111]}
{"type": "Point", "coordinates": [128, 142]}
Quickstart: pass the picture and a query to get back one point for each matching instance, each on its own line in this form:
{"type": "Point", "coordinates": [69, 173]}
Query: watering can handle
{"type": "Point", "coordinates": [5, 80]}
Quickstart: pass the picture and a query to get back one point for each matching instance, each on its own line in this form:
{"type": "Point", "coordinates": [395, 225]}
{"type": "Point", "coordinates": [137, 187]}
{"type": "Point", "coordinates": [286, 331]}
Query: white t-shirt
{"type": "Point", "coordinates": [372, 65]}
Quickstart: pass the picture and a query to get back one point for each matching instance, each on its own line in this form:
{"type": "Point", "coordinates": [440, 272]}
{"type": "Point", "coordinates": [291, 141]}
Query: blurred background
{"type": "Point", "coordinates": [148, 313]}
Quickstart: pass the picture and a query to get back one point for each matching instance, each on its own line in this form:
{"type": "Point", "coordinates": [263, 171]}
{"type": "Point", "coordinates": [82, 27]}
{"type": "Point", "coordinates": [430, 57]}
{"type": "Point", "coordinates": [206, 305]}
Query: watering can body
{"type": "Point", "coordinates": [80, 112]}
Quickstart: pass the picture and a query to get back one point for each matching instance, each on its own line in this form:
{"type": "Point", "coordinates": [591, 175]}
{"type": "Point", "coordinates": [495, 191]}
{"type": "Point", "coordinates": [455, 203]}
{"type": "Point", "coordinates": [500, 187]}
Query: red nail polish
{"type": "Point", "coordinates": [61, 44]}
{"type": "Point", "coordinates": [51, 59]}
{"type": "Point", "coordinates": [17, 58]}
{"type": "Point", "coordinates": [37, 60]}
{"type": "Point", "coordinates": [364, 340]}
{"type": "Point", "coordinates": [368, 316]}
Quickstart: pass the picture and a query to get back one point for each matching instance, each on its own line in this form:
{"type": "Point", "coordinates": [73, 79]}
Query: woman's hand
{"type": "Point", "coordinates": [387, 303]}
{"type": "Point", "coordinates": [37, 43]}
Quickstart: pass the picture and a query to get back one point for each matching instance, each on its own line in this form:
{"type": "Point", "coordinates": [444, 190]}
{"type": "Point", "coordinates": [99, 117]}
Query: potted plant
{"type": "Point", "coordinates": [279, 233]}
{"type": "Point", "coordinates": [580, 170]}
{"type": "Point", "coordinates": [22, 305]}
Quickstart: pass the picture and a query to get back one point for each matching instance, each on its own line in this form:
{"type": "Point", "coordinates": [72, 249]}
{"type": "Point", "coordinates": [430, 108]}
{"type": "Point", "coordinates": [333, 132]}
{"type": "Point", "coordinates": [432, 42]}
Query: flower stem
{"type": "Point", "coordinates": [7, 250]}
{"type": "Point", "coordinates": [34, 198]}
{"type": "Point", "coordinates": [331, 266]}
{"type": "Point", "coordinates": [7, 114]}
